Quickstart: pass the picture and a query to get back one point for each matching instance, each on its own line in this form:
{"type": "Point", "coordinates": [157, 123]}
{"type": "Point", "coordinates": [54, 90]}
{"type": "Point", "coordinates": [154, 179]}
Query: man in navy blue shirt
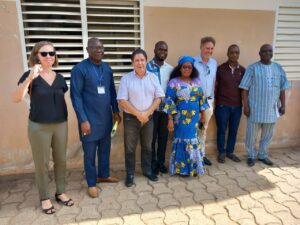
{"type": "Point", "coordinates": [93, 97]}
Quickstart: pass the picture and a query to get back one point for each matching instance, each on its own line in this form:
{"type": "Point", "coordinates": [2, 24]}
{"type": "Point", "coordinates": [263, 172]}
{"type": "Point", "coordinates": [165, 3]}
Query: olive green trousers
{"type": "Point", "coordinates": [43, 138]}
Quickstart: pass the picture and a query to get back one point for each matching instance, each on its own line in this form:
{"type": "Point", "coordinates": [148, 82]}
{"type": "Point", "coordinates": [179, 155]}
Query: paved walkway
{"type": "Point", "coordinates": [229, 193]}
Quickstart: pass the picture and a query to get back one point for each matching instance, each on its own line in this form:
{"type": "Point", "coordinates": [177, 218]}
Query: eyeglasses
{"type": "Point", "coordinates": [187, 67]}
{"type": "Point", "coordinates": [44, 54]}
{"type": "Point", "coordinates": [207, 69]}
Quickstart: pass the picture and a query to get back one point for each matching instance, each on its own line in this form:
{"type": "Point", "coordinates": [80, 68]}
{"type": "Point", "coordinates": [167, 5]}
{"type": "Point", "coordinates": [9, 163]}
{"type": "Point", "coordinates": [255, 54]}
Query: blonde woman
{"type": "Point", "coordinates": [47, 125]}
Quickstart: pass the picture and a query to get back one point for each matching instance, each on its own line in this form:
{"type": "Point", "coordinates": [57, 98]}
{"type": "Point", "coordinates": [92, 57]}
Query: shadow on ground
{"type": "Point", "coordinates": [229, 193]}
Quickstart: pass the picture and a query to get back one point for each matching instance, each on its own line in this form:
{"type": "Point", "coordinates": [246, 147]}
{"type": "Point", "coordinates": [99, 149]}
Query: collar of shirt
{"type": "Point", "coordinates": [199, 59]}
{"type": "Point", "coordinates": [137, 76]}
{"type": "Point", "coordinates": [233, 68]}
{"type": "Point", "coordinates": [155, 65]}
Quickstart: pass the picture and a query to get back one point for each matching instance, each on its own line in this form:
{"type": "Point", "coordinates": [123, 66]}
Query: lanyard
{"type": "Point", "coordinates": [99, 75]}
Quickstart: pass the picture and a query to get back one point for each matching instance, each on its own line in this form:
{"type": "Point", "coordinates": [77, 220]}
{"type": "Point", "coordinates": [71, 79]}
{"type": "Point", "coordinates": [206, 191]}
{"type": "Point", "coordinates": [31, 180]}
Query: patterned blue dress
{"type": "Point", "coordinates": [185, 101]}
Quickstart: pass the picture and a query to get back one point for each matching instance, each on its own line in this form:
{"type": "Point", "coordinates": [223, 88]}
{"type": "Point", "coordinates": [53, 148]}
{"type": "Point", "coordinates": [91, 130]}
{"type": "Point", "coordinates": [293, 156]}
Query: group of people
{"type": "Point", "coordinates": [156, 99]}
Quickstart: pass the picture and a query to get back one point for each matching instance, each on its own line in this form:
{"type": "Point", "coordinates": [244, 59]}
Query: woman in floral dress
{"type": "Point", "coordinates": [184, 102]}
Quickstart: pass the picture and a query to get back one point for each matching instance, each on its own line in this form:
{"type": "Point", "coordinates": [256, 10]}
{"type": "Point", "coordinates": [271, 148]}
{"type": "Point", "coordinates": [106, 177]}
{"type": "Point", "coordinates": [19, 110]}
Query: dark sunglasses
{"type": "Point", "coordinates": [44, 54]}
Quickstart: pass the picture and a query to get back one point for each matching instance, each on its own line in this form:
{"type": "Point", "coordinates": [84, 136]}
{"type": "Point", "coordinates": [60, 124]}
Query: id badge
{"type": "Point", "coordinates": [101, 90]}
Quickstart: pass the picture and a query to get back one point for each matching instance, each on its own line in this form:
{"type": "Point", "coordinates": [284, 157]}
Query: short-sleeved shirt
{"type": "Point", "coordinates": [47, 102]}
{"type": "Point", "coordinates": [228, 81]}
{"type": "Point", "coordinates": [140, 92]}
{"type": "Point", "coordinates": [264, 83]}
{"type": "Point", "coordinates": [207, 75]}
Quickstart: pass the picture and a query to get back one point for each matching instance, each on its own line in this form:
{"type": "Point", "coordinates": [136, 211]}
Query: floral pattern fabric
{"type": "Point", "coordinates": [185, 101]}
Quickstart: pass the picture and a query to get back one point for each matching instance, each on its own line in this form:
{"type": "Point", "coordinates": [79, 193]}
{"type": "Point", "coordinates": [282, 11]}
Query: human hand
{"type": "Point", "coordinates": [246, 111]}
{"type": "Point", "coordinates": [116, 118]}
{"type": "Point", "coordinates": [35, 71]}
{"type": "Point", "coordinates": [143, 117]}
{"type": "Point", "coordinates": [85, 128]}
{"type": "Point", "coordinates": [202, 119]}
{"type": "Point", "coordinates": [170, 126]}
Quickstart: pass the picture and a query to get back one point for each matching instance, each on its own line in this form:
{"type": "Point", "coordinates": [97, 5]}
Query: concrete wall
{"type": "Point", "coordinates": [182, 29]}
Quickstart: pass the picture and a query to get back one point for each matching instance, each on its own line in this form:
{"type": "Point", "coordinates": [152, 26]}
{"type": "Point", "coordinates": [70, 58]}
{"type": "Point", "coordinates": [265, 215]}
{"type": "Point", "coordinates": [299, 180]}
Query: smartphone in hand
{"type": "Point", "coordinates": [201, 126]}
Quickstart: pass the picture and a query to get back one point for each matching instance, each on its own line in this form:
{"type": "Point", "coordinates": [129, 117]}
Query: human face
{"type": "Point", "coordinates": [161, 52]}
{"type": "Point", "coordinates": [48, 60]}
{"type": "Point", "coordinates": [266, 53]}
{"type": "Point", "coordinates": [233, 54]}
{"type": "Point", "coordinates": [186, 69]}
{"type": "Point", "coordinates": [207, 50]}
{"type": "Point", "coordinates": [139, 64]}
{"type": "Point", "coordinates": [96, 51]}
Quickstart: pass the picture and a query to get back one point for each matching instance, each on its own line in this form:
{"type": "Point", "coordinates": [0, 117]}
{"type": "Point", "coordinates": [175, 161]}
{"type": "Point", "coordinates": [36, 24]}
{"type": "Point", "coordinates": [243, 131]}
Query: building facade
{"type": "Point", "coordinates": [180, 23]}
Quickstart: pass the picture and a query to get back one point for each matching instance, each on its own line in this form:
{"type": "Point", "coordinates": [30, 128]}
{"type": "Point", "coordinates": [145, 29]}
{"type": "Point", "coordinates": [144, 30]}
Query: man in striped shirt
{"type": "Point", "coordinates": [264, 85]}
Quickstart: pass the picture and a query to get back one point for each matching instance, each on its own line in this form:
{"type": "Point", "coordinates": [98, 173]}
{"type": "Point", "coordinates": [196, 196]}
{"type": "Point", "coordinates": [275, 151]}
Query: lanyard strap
{"type": "Point", "coordinates": [99, 75]}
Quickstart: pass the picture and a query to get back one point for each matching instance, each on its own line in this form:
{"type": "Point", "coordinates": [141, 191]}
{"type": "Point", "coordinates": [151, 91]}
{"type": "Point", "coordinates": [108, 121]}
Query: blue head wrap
{"type": "Point", "coordinates": [184, 59]}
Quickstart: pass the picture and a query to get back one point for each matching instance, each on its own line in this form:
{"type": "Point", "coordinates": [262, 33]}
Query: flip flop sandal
{"type": "Point", "coordinates": [68, 203]}
{"type": "Point", "coordinates": [50, 210]}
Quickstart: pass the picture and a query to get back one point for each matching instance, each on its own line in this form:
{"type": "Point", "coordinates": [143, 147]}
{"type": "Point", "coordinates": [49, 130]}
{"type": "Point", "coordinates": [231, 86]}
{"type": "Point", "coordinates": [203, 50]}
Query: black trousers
{"type": "Point", "coordinates": [160, 134]}
{"type": "Point", "coordinates": [133, 131]}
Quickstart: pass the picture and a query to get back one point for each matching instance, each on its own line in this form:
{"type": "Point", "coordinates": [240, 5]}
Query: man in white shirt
{"type": "Point", "coordinates": [207, 67]}
{"type": "Point", "coordinates": [139, 95]}
{"type": "Point", "coordinates": [162, 70]}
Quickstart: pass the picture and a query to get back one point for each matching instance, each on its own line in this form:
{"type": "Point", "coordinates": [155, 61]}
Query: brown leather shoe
{"type": "Point", "coordinates": [107, 180]}
{"type": "Point", "coordinates": [93, 192]}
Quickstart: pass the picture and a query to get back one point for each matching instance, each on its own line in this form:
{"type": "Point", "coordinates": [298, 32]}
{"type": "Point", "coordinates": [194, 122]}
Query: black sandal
{"type": "Point", "coordinates": [50, 210]}
{"type": "Point", "coordinates": [66, 203]}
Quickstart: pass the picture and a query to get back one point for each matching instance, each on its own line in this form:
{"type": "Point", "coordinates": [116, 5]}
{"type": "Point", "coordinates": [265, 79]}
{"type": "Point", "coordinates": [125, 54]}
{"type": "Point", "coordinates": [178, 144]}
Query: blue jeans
{"type": "Point", "coordinates": [102, 147]}
{"type": "Point", "coordinates": [227, 116]}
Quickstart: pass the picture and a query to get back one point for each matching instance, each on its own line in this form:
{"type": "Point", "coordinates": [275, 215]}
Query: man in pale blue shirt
{"type": "Point", "coordinates": [207, 68]}
{"type": "Point", "coordinates": [162, 70]}
{"type": "Point", "coordinates": [264, 85]}
{"type": "Point", "coordinates": [139, 95]}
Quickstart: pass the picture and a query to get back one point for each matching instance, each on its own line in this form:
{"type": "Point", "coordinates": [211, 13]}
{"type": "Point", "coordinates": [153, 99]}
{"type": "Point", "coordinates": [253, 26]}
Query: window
{"type": "Point", "coordinates": [287, 39]}
{"type": "Point", "coordinates": [70, 23]}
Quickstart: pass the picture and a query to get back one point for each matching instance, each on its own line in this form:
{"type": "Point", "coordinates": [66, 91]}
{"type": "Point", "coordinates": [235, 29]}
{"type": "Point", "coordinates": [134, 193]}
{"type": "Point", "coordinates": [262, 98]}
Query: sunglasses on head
{"type": "Point", "coordinates": [44, 54]}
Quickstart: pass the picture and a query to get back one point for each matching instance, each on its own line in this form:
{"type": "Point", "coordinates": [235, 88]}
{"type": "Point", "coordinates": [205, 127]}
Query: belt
{"type": "Point", "coordinates": [126, 114]}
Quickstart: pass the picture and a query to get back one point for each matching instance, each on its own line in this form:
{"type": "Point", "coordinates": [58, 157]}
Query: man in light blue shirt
{"type": "Point", "coordinates": [162, 70]}
{"type": "Point", "coordinates": [139, 95]}
{"type": "Point", "coordinates": [207, 68]}
{"type": "Point", "coordinates": [264, 85]}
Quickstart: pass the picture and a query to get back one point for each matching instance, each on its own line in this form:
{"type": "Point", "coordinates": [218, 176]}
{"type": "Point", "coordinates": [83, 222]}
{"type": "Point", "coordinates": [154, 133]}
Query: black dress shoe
{"type": "Point", "coordinates": [206, 161]}
{"type": "Point", "coordinates": [129, 180]}
{"type": "Point", "coordinates": [163, 169]}
{"type": "Point", "coordinates": [233, 157]}
{"type": "Point", "coordinates": [250, 162]}
{"type": "Point", "coordinates": [266, 161]}
{"type": "Point", "coordinates": [221, 158]}
{"type": "Point", "coordinates": [151, 177]}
